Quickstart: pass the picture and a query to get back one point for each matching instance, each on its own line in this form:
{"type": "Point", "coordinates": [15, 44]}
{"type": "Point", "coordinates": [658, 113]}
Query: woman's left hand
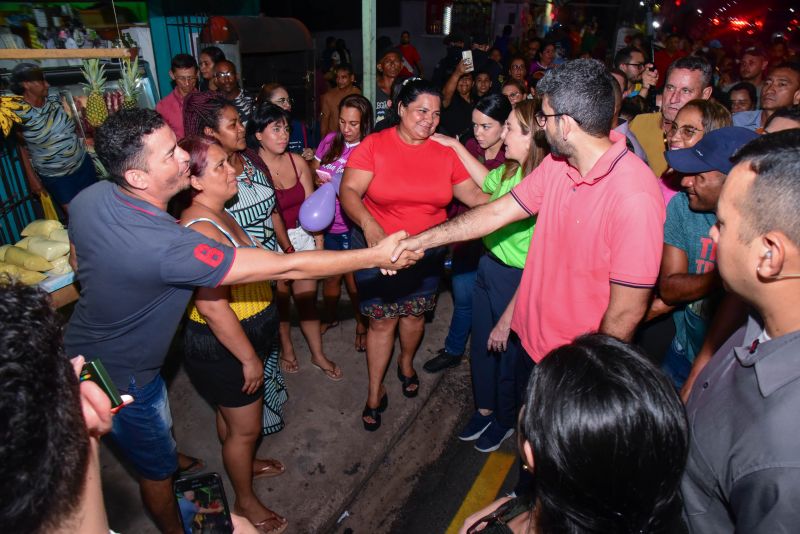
{"type": "Point", "coordinates": [253, 371]}
{"type": "Point", "coordinates": [307, 154]}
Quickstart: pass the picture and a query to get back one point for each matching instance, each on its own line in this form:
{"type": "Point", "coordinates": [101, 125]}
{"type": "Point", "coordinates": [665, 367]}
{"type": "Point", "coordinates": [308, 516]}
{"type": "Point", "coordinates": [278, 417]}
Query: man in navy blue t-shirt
{"type": "Point", "coordinates": [137, 270]}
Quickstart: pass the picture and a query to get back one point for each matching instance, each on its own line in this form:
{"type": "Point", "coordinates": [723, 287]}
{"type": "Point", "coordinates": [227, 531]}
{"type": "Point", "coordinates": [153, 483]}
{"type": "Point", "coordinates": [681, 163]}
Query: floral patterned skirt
{"type": "Point", "coordinates": [411, 291]}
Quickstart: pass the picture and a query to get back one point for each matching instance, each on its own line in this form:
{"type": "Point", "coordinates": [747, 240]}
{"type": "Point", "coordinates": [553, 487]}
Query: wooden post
{"type": "Point", "coordinates": [368, 36]}
{"type": "Point", "coordinates": [68, 53]}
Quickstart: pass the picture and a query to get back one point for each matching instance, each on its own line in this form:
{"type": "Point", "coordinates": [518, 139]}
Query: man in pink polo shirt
{"type": "Point", "coordinates": [595, 254]}
{"type": "Point", "coordinates": [183, 72]}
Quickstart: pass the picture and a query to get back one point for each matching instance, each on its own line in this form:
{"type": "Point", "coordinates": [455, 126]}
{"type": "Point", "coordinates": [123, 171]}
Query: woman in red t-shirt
{"type": "Point", "coordinates": [399, 179]}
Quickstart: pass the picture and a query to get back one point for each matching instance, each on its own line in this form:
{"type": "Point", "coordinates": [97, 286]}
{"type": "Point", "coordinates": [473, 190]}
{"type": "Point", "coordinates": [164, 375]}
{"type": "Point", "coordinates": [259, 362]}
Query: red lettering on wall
{"type": "Point", "coordinates": [208, 255]}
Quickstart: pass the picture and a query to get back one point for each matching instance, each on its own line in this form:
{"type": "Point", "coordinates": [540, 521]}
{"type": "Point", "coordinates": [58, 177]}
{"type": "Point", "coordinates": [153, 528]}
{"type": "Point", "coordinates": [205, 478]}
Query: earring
{"type": "Point", "coordinates": [768, 254]}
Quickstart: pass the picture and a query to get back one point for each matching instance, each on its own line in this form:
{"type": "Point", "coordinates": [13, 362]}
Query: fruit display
{"type": "Point", "coordinates": [129, 82]}
{"type": "Point", "coordinates": [96, 110]}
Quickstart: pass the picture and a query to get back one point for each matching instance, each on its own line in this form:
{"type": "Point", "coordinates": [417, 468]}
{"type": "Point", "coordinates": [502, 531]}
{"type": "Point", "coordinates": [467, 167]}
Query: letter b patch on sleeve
{"type": "Point", "coordinates": [209, 255]}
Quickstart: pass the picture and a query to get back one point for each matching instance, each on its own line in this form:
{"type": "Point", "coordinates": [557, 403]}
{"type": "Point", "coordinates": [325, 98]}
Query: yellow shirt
{"type": "Point", "coordinates": [647, 129]}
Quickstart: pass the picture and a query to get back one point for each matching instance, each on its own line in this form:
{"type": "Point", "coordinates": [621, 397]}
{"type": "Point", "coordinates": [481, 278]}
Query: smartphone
{"type": "Point", "coordinates": [96, 372]}
{"type": "Point", "coordinates": [202, 504]}
{"type": "Point", "coordinates": [466, 55]}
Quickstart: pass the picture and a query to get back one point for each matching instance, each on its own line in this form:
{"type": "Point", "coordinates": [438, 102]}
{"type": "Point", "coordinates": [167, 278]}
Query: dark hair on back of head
{"type": "Point", "coordinates": [582, 89]}
{"type": "Point", "coordinates": [214, 52]}
{"type": "Point", "coordinates": [183, 61]}
{"type": "Point", "coordinates": [771, 201]}
{"type": "Point", "coordinates": [264, 114]}
{"type": "Point", "coordinates": [494, 106]}
{"type": "Point", "coordinates": [119, 142]}
{"type": "Point", "coordinates": [609, 437]}
{"type": "Point", "coordinates": [693, 63]}
{"type": "Point", "coordinates": [792, 113]}
{"type": "Point", "coordinates": [44, 445]}
{"type": "Point", "coordinates": [201, 111]}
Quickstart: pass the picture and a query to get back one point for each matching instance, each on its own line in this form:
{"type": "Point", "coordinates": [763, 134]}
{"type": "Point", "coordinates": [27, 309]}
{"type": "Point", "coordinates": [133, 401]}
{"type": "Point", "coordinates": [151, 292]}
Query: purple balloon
{"type": "Point", "coordinates": [316, 212]}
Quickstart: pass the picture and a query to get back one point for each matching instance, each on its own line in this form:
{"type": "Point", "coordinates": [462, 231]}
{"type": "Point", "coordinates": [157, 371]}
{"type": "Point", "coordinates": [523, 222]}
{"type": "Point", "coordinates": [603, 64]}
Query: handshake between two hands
{"type": "Point", "coordinates": [397, 251]}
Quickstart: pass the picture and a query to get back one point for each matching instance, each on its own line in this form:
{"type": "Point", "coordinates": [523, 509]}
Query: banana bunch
{"type": "Point", "coordinates": [8, 105]}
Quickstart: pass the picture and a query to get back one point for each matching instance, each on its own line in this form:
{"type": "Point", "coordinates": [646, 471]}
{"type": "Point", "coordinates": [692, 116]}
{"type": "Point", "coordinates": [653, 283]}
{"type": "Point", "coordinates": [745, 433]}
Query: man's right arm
{"type": "Point", "coordinates": [255, 265]}
{"type": "Point", "coordinates": [474, 223]}
{"type": "Point", "coordinates": [676, 285]}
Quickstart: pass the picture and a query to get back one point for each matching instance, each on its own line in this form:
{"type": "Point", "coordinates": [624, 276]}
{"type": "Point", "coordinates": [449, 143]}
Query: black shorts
{"type": "Point", "coordinates": [214, 371]}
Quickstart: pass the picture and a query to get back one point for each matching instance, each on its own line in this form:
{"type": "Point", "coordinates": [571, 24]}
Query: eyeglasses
{"type": "Point", "coordinates": [686, 131]}
{"type": "Point", "coordinates": [224, 74]}
{"type": "Point", "coordinates": [186, 79]}
{"type": "Point", "coordinates": [541, 118]}
{"type": "Point", "coordinates": [283, 101]}
{"type": "Point", "coordinates": [517, 66]}
{"type": "Point", "coordinates": [515, 94]}
{"type": "Point", "coordinates": [639, 66]}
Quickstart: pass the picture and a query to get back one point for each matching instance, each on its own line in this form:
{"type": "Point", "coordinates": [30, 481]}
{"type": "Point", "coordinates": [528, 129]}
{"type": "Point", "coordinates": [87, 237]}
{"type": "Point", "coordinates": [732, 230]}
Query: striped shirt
{"type": "Point", "coordinates": [50, 135]}
{"type": "Point", "coordinates": [254, 203]}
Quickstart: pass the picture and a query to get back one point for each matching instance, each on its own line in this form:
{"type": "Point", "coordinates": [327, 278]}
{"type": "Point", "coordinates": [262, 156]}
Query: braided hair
{"type": "Point", "coordinates": [202, 110]}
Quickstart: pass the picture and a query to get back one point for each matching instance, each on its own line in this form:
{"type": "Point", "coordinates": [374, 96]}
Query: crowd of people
{"type": "Point", "coordinates": [570, 196]}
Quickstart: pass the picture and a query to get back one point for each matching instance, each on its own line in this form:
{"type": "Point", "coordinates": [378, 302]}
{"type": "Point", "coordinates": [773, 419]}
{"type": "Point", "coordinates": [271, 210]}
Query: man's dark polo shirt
{"type": "Point", "coordinates": [743, 473]}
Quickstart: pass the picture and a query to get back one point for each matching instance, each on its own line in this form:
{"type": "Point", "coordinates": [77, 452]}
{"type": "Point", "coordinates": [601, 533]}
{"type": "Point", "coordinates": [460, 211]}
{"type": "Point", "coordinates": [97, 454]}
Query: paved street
{"type": "Point", "coordinates": [329, 457]}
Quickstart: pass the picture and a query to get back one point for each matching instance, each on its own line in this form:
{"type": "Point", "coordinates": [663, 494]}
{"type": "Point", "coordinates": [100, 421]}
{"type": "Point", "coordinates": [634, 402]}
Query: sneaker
{"type": "Point", "coordinates": [477, 424]}
{"type": "Point", "coordinates": [493, 437]}
{"type": "Point", "coordinates": [442, 361]}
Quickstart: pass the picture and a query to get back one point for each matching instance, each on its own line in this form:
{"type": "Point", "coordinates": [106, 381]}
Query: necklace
{"type": "Point", "coordinates": [248, 171]}
{"type": "Point", "coordinates": [275, 172]}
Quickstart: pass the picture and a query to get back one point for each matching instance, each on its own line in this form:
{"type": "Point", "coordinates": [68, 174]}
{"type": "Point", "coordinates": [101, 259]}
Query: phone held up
{"type": "Point", "coordinates": [96, 372]}
{"type": "Point", "coordinates": [202, 504]}
{"type": "Point", "coordinates": [466, 57]}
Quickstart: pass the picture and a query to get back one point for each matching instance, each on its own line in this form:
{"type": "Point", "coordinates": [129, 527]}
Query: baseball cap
{"type": "Point", "coordinates": [754, 51]}
{"type": "Point", "coordinates": [712, 153]}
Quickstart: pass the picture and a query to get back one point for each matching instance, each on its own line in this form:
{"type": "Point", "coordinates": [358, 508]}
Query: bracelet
{"type": "Point", "coordinates": [288, 250]}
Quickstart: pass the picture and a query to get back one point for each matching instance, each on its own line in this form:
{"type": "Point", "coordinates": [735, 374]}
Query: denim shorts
{"type": "Point", "coordinates": [64, 188]}
{"type": "Point", "coordinates": [337, 241]}
{"type": "Point", "coordinates": [143, 431]}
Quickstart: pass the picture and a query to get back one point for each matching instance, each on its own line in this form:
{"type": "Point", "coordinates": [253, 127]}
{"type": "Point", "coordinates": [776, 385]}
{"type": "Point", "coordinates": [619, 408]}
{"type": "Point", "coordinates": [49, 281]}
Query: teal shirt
{"type": "Point", "coordinates": [689, 231]}
{"type": "Point", "coordinates": [510, 243]}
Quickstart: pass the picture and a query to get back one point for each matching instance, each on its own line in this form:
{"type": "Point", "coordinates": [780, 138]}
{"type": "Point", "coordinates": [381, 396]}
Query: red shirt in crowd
{"type": "Point", "coordinates": [171, 109]}
{"type": "Point", "coordinates": [411, 184]}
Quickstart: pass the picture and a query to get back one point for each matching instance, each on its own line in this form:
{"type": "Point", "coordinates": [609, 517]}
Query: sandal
{"type": "Point", "coordinates": [334, 374]}
{"type": "Point", "coordinates": [324, 327]}
{"type": "Point", "coordinates": [361, 340]}
{"type": "Point", "coordinates": [289, 366]}
{"type": "Point", "coordinates": [195, 465]}
{"type": "Point", "coordinates": [374, 414]}
{"type": "Point", "coordinates": [263, 526]}
{"type": "Point", "coordinates": [272, 468]}
{"type": "Point", "coordinates": [408, 381]}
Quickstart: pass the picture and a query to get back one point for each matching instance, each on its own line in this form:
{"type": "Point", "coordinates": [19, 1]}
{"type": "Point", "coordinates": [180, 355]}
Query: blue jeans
{"type": "Point", "coordinates": [462, 280]}
{"type": "Point", "coordinates": [493, 373]}
{"type": "Point", "coordinates": [143, 431]}
{"type": "Point", "coordinates": [676, 365]}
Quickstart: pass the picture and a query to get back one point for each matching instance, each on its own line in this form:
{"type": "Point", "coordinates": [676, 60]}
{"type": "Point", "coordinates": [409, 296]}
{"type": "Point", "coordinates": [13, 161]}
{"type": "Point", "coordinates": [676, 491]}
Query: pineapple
{"type": "Point", "coordinates": [96, 110]}
{"type": "Point", "coordinates": [129, 82]}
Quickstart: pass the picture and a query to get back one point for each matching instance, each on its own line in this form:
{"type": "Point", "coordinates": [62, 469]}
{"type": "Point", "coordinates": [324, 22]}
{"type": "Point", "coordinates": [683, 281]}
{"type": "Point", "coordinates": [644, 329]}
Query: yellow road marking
{"type": "Point", "coordinates": [484, 489]}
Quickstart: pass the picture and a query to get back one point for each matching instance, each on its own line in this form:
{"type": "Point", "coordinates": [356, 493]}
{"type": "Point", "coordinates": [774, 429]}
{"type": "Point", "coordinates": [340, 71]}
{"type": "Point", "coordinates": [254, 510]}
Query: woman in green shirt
{"type": "Point", "coordinates": [492, 360]}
